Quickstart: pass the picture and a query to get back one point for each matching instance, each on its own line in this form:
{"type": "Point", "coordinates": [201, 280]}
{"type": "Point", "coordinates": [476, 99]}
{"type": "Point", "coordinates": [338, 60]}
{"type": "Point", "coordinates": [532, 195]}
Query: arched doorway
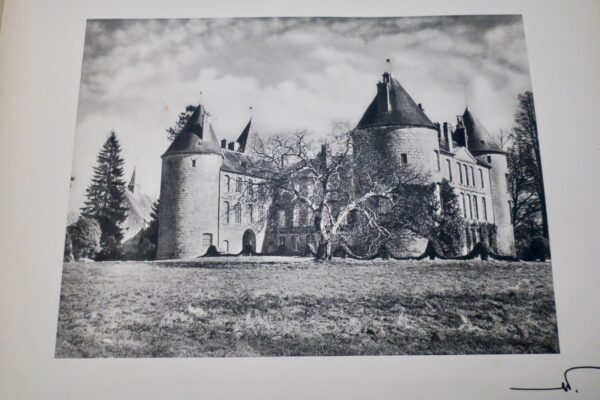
{"type": "Point", "coordinates": [249, 239]}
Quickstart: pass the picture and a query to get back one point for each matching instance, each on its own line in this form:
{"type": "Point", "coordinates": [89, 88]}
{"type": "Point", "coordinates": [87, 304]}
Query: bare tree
{"type": "Point", "coordinates": [332, 182]}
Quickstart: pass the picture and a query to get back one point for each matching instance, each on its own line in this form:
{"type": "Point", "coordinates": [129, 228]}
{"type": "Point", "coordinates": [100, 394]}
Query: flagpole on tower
{"type": "Point", "coordinates": [389, 63]}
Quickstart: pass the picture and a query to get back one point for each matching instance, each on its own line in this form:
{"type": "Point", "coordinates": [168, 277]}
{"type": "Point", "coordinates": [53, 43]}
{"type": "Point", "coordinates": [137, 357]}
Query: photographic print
{"type": "Point", "coordinates": [306, 187]}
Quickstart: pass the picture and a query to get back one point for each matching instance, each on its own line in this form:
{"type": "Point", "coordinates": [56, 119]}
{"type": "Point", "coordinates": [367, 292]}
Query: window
{"type": "Point", "coordinates": [281, 241]}
{"type": "Point", "coordinates": [470, 207]}
{"type": "Point", "coordinates": [310, 217]}
{"type": "Point", "coordinates": [481, 177]}
{"type": "Point", "coordinates": [472, 176]}
{"type": "Point", "coordinates": [303, 220]}
{"type": "Point", "coordinates": [468, 237]}
{"type": "Point", "coordinates": [281, 218]}
{"type": "Point", "coordinates": [474, 235]}
{"type": "Point", "coordinates": [484, 208]}
{"type": "Point", "coordinates": [404, 158]}
{"type": "Point", "coordinates": [449, 164]}
{"type": "Point", "coordinates": [489, 159]}
{"type": "Point", "coordinates": [437, 161]}
{"type": "Point", "coordinates": [293, 243]}
{"type": "Point", "coordinates": [460, 175]}
{"type": "Point", "coordinates": [464, 205]}
{"type": "Point", "coordinates": [250, 188]}
{"type": "Point", "coordinates": [238, 185]}
{"type": "Point", "coordinates": [193, 163]}
{"type": "Point", "coordinates": [206, 241]}
{"type": "Point", "coordinates": [261, 213]}
{"type": "Point", "coordinates": [352, 217]}
{"type": "Point", "coordinates": [295, 216]}
{"type": "Point", "coordinates": [237, 209]}
{"type": "Point", "coordinates": [466, 175]}
{"type": "Point", "coordinates": [227, 211]}
{"type": "Point", "coordinates": [226, 246]}
{"type": "Point", "coordinates": [510, 212]}
{"type": "Point", "coordinates": [475, 207]}
{"type": "Point", "coordinates": [227, 183]}
{"type": "Point", "coordinates": [250, 213]}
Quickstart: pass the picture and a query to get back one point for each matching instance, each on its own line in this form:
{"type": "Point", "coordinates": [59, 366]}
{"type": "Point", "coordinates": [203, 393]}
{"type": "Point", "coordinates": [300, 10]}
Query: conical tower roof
{"type": "Point", "coordinates": [393, 106]}
{"type": "Point", "coordinates": [479, 140]}
{"type": "Point", "coordinates": [195, 137]}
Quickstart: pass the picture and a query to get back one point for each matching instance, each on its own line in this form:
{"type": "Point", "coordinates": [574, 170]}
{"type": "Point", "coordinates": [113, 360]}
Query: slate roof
{"type": "Point", "coordinates": [403, 112]}
{"type": "Point", "coordinates": [196, 137]}
{"type": "Point", "coordinates": [240, 163]}
{"type": "Point", "coordinates": [479, 139]}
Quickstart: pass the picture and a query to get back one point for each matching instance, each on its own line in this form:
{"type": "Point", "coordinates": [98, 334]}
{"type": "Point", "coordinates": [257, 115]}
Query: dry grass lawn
{"type": "Point", "coordinates": [296, 307]}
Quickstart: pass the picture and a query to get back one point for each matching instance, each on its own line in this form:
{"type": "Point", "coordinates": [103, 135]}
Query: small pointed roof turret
{"type": "Point", "coordinates": [243, 139]}
{"type": "Point", "coordinates": [131, 185]}
{"type": "Point", "coordinates": [479, 140]}
{"type": "Point", "coordinates": [393, 106]}
{"type": "Point", "coordinates": [195, 137]}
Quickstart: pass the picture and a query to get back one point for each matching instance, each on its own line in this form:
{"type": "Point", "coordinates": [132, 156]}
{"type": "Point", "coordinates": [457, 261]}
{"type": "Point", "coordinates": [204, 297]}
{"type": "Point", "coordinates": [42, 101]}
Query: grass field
{"type": "Point", "coordinates": [296, 307]}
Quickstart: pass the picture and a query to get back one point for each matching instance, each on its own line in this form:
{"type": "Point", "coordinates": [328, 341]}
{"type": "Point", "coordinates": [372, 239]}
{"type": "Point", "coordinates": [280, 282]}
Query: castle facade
{"type": "Point", "coordinates": [206, 185]}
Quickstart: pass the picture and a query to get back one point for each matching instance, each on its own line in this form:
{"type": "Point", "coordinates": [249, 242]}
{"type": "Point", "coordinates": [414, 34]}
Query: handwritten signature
{"type": "Point", "coordinates": [565, 385]}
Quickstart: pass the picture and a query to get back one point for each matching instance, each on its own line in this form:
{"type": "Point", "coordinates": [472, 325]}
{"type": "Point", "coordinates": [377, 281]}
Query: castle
{"type": "Point", "coordinates": [204, 183]}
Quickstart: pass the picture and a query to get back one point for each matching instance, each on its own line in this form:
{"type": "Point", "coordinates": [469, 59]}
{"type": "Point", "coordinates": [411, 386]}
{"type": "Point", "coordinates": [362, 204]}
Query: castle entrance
{"type": "Point", "coordinates": [249, 239]}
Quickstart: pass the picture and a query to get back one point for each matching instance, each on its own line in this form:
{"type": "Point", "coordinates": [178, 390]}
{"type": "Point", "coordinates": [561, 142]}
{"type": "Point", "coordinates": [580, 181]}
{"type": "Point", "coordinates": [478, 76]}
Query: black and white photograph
{"type": "Point", "coordinates": [306, 186]}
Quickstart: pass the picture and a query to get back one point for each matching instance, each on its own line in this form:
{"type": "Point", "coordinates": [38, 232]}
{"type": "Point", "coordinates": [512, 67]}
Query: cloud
{"type": "Point", "coordinates": [297, 73]}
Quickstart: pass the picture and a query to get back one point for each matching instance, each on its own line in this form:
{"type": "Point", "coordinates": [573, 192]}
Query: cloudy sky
{"type": "Point", "coordinates": [296, 73]}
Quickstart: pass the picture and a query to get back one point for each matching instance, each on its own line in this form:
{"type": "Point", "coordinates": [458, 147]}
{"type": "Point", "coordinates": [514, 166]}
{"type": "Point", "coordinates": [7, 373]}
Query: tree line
{"type": "Point", "coordinates": [98, 233]}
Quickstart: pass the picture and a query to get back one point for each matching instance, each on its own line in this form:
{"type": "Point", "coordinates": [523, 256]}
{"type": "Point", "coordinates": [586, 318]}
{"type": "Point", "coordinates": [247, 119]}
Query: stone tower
{"type": "Point", "coordinates": [189, 193]}
{"type": "Point", "coordinates": [395, 128]}
{"type": "Point", "coordinates": [473, 135]}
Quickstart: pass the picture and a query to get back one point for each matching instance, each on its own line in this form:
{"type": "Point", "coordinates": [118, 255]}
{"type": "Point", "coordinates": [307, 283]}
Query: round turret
{"type": "Point", "coordinates": [395, 128]}
{"type": "Point", "coordinates": [189, 195]}
{"type": "Point", "coordinates": [480, 143]}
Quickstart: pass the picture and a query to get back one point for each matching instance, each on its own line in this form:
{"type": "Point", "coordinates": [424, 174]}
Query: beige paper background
{"type": "Point", "coordinates": [41, 45]}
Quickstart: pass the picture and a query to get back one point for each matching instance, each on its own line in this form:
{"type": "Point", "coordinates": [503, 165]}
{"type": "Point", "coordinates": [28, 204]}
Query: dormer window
{"type": "Point", "coordinates": [193, 163]}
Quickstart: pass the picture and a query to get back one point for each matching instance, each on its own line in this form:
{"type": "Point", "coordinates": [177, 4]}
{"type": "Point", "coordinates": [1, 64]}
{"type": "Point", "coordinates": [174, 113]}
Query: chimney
{"type": "Point", "coordinates": [447, 136]}
{"type": "Point", "coordinates": [383, 94]}
{"type": "Point", "coordinates": [420, 107]}
{"type": "Point", "coordinates": [437, 127]}
{"type": "Point", "coordinates": [231, 146]}
{"type": "Point", "coordinates": [323, 155]}
{"type": "Point", "coordinates": [223, 143]}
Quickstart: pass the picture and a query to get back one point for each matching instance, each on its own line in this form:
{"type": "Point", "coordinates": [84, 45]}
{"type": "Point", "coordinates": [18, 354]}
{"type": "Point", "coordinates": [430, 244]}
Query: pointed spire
{"type": "Point", "coordinates": [478, 139]}
{"type": "Point", "coordinates": [243, 139]}
{"type": "Point", "coordinates": [192, 138]}
{"type": "Point", "coordinates": [131, 185]}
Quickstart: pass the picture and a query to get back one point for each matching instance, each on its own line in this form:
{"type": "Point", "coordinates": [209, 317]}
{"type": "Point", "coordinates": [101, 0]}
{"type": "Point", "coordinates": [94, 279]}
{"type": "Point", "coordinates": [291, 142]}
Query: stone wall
{"type": "Point", "coordinates": [417, 144]}
{"type": "Point", "coordinates": [189, 204]}
{"type": "Point", "coordinates": [231, 232]}
{"type": "Point", "coordinates": [505, 236]}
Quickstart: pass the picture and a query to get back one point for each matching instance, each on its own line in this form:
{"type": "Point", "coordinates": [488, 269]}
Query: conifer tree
{"type": "Point", "coordinates": [105, 198]}
{"type": "Point", "coordinates": [450, 229]}
{"type": "Point", "coordinates": [149, 239]}
{"type": "Point", "coordinates": [182, 119]}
